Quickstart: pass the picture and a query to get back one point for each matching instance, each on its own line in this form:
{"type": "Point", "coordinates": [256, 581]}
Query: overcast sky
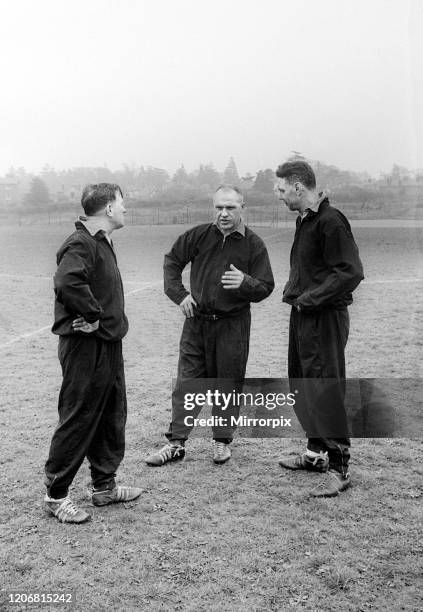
{"type": "Point", "coordinates": [93, 82]}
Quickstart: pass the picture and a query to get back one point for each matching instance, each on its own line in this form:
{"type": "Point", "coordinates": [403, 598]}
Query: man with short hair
{"type": "Point", "coordinates": [90, 322]}
{"type": "Point", "coordinates": [325, 269]}
{"type": "Point", "coordinates": [229, 269]}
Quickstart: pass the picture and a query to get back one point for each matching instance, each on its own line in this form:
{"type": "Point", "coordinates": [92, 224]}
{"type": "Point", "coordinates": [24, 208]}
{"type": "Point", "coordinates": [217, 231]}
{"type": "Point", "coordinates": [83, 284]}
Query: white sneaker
{"type": "Point", "coordinates": [116, 495]}
{"type": "Point", "coordinates": [169, 452]}
{"type": "Point", "coordinates": [221, 452]}
{"type": "Point", "coordinates": [65, 510]}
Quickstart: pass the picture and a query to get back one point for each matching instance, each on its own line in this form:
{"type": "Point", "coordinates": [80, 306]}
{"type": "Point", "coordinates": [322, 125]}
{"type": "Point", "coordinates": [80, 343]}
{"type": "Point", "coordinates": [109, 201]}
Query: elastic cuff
{"type": "Point", "coordinates": [101, 485]}
{"type": "Point", "coordinates": [341, 469]}
{"type": "Point", "coordinates": [57, 493]}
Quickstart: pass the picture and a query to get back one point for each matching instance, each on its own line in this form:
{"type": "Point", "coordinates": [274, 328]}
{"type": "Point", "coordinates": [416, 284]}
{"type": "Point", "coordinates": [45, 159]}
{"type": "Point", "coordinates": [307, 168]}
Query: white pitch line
{"type": "Point", "coordinates": [157, 283]}
{"type": "Point", "coordinates": [33, 276]}
{"type": "Point", "coordinates": [264, 238]}
{"type": "Point", "coordinates": [49, 278]}
{"type": "Point", "coordinates": [36, 332]}
{"type": "Point", "coordinates": [127, 282]}
{"type": "Point", "coordinates": [144, 287]}
{"type": "Point", "coordinates": [23, 336]}
{"type": "Point", "coordinates": [398, 280]}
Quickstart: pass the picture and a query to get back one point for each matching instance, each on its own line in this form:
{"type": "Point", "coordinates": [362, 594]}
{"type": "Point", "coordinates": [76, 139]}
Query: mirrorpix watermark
{"type": "Point", "coordinates": [229, 404]}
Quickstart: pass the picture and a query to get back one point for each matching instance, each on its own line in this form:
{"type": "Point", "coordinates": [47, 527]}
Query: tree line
{"type": "Point", "coordinates": [145, 186]}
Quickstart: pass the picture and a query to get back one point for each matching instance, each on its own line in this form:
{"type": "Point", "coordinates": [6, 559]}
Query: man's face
{"type": "Point", "coordinates": [228, 210]}
{"type": "Point", "coordinates": [289, 193]}
{"type": "Point", "coordinates": [117, 211]}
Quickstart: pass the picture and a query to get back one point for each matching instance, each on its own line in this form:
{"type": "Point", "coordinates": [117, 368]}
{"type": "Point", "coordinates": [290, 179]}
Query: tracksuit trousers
{"type": "Point", "coordinates": [316, 363]}
{"type": "Point", "coordinates": [210, 349]}
{"type": "Point", "coordinates": [92, 414]}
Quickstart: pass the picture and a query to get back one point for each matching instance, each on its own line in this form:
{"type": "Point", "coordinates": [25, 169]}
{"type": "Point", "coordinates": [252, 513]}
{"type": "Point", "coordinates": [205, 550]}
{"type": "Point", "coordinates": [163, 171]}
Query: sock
{"type": "Point", "coordinates": [177, 442]}
{"type": "Point", "coordinates": [54, 499]}
{"type": "Point", "coordinates": [313, 454]}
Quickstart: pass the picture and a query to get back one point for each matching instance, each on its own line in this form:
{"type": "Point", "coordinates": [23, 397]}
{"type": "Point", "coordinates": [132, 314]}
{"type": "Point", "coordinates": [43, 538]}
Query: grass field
{"type": "Point", "coordinates": [243, 536]}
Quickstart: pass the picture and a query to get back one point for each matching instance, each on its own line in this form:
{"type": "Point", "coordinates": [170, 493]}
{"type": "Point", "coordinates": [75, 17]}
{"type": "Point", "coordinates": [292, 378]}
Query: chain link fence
{"type": "Point", "coordinates": [253, 215]}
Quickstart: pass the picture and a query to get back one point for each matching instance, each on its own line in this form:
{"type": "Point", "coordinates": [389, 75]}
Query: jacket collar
{"type": "Point", "coordinates": [92, 228]}
{"type": "Point", "coordinates": [238, 230]}
{"type": "Point", "coordinates": [310, 212]}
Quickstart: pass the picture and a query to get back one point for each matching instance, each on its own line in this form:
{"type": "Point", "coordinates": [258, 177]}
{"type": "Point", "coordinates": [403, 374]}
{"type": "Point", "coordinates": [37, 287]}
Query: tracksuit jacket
{"type": "Point", "coordinates": [210, 254]}
{"type": "Point", "coordinates": [325, 264]}
{"type": "Point", "coordinates": [88, 283]}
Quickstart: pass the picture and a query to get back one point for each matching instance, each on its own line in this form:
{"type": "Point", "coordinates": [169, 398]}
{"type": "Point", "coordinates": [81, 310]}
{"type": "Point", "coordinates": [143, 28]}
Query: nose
{"type": "Point", "coordinates": [224, 213]}
{"type": "Point", "coordinates": [277, 191]}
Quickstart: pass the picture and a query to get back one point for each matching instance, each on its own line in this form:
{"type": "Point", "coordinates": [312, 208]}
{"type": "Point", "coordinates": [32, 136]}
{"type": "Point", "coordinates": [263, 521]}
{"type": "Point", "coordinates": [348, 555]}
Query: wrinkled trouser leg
{"type": "Point", "coordinates": [210, 350]}
{"type": "Point", "coordinates": [92, 413]}
{"type": "Point", "coordinates": [316, 358]}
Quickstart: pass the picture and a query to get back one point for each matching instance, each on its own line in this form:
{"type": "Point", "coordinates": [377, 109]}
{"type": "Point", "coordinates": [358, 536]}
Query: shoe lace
{"type": "Point", "coordinates": [69, 507]}
{"type": "Point", "coordinates": [320, 458]}
{"type": "Point", "coordinates": [220, 448]}
{"type": "Point", "coordinates": [169, 451]}
{"type": "Point", "coordinates": [325, 480]}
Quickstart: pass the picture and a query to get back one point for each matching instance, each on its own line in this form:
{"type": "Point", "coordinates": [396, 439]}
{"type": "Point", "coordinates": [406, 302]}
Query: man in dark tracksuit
{"type": "Point", "coordinates": [325, 269]}
{"type": "Point", "coordinates": [229, 269]}
{"type": "Point", "coordinates": [91, 322]}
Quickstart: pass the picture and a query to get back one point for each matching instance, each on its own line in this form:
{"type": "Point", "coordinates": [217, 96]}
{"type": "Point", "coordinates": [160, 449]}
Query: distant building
{"type": "Point", "coordinates": [69, 193]}
{"type": "Point", "coordinates": [8, 191]}
{"type": "Point", "coordinates": [405, 188]}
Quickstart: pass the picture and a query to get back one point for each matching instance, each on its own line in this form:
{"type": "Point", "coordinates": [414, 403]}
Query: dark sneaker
{"type": "Point", "coordinates": [114, 496]}
{"type": "Point", "coordinates": [65, 510]}
{"type": "Point", "coordinates": [221, 452]}
{"type": "Point", "coordinates": [304, 462]}
{"type": "Point", "coordinates": [332, 485]}
{"type": "Point", "coordinates": [169, 452]}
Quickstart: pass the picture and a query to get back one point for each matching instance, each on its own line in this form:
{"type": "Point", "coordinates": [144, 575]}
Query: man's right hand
{"type": "Point", "coordinates": [80, 324]}
{"type": "Point", "coordinates": [187, 306]}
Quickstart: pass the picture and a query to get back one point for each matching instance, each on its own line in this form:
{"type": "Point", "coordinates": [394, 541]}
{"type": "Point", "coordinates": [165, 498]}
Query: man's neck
{"type": "Point", "coordinates": [310, 199]}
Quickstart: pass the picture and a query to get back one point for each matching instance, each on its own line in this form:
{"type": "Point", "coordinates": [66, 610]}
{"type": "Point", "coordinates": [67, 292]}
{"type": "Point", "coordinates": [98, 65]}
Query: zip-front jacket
{"type": "Point", "coordinates": [325, 264]}
{"type": "Point", "coordinates": [210, 254]}
{"type": "Point", "coordinates": [88, 283]}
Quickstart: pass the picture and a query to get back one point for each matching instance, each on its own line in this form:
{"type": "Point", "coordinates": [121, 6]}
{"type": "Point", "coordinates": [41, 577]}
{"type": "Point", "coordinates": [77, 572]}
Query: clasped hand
{"type": "Point", "coordinates": [80, 324]}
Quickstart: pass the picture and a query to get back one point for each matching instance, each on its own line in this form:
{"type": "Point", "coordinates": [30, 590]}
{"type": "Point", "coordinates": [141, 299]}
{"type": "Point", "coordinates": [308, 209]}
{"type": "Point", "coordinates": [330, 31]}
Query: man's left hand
{"type": "Point", "coordinates": [232, 278]}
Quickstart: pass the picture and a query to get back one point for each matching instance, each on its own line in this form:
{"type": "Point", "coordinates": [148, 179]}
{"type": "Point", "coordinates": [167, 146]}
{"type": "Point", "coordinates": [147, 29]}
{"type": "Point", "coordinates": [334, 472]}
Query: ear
{"type": "Point", "coordinates": [299, 188]}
